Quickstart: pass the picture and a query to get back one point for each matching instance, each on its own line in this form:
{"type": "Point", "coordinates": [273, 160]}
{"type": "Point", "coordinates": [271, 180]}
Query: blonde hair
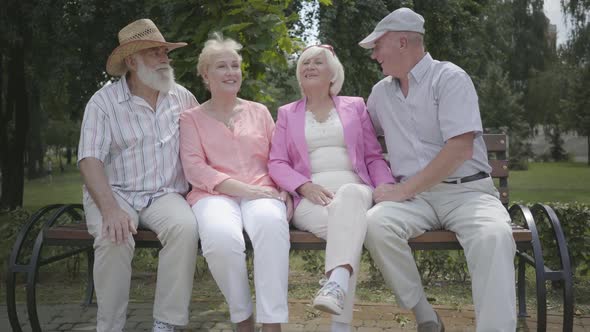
{"type": "Point", "coordinates": [216, 45]}
{"type": "Point", "coordinates": [334, 64]}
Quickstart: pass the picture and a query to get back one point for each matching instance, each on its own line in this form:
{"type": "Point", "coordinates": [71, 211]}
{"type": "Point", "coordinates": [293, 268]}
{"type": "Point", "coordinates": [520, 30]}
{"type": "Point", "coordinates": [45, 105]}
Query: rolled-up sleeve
{"type": "Point", "coordinates": [194, 162]}
{"type": "Point", "coordinates": [95, 133]}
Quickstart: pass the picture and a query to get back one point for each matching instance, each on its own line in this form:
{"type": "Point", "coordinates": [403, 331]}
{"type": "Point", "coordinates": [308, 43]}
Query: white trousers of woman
{"type": "Point", "coordinates": [343, 225]}
{"type": "Point", "coordinates": [221, 221]}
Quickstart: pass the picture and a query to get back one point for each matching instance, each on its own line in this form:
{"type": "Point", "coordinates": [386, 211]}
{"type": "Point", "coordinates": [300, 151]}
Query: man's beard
{"type": "Point", "coordinates": [161, 78]}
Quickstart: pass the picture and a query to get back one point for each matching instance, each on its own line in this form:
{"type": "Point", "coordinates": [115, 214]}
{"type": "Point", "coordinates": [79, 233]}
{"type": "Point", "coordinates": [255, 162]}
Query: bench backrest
{"type": "Point", "coordinates": [497, 145]}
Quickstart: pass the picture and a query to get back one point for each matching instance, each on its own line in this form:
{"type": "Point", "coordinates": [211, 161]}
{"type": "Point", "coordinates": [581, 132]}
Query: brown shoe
{"type": "Point", "coordinates": [431, 326]}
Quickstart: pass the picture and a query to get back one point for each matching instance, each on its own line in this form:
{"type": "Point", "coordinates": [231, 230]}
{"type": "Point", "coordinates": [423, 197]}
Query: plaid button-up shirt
{"type": "Point", "coordinates": [138, 147]}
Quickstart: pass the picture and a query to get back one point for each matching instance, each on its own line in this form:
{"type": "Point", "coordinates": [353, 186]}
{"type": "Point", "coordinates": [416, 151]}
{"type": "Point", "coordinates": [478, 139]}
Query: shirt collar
{"type": "Point", "coordinates": [421, 68]}
{"type": "Point", "coordinates": [125, 94]}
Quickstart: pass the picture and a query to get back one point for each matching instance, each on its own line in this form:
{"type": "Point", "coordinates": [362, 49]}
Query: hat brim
{"type": "Point", "coordinates": [115, 63]}
{"type": "Point", "coordinates": [369, 41]}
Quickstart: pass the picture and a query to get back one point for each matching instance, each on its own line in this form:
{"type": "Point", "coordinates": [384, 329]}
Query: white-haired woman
{"type": "Point", "coordinates": [325, 153]}
{"type": "Point", "coordinates": [224, 147]}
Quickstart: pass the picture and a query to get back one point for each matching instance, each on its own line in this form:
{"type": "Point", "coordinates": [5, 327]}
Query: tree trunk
{"type": "Point", "coordinates": [35, 145]}
{"type": "Point", "coordinates": [3, 127]}
{"type": "Point", "coordinates": [69, 155]}
{"type": "Point", "coordinates": [588, 146]}
{"type": "Point", "coordinates": [17, 105]}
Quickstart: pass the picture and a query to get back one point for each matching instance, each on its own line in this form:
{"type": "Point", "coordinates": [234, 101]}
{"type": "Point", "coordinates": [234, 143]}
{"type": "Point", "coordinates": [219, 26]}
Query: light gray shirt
{"type": "Point", "coordinates": [138, 146]}
{"type": "Point", "coordinates": [441, 104]}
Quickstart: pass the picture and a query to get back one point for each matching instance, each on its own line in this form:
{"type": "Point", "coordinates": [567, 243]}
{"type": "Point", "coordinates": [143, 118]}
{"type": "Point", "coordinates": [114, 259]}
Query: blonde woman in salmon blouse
{"type": "Point", "coordinates": [325, 153]}
{"type": "Point", "coordinates": [224, 147]}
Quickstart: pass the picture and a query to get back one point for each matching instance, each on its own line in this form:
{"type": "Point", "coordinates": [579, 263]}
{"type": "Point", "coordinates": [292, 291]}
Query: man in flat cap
{"type": "Point", "coordinates": [129, 159]}
{"type": "Point", "coordinates": [429, 114]}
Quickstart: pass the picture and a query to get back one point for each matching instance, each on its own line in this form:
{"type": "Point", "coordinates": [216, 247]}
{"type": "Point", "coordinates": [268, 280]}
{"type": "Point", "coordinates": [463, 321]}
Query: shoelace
{"type": "Point", "coordinates": [163, 326]}
{"type": "Point", "coordinates": [331, 288]}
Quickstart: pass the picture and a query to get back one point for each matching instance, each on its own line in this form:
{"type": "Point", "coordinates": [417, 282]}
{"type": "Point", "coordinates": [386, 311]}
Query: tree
{"type": "Point", "coordinates": [343, 25]}
{"type": "Point", "coordinates": [260, 26]}
{"type": "Point", "coordinates": [501, 111]}
{"type": "Point", "coordinates": [17, 34]}
{"type": "Point", "coordinates": [577, 54]}
{"type": "Point", "coordinates": [48, 45]}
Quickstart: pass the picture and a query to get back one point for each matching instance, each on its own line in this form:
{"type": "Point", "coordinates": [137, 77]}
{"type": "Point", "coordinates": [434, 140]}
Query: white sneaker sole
{"type": "Point", "coordinates": [325, 305]}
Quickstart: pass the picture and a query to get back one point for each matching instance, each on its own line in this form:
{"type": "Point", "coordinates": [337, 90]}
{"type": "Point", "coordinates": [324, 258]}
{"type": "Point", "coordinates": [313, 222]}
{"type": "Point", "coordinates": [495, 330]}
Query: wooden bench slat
{"type": "Point", "coordinates": [499, 168]}
{"type": "Point", "coordinates": [495, 142]}
{"type": "Point", "coordinates": [79, 233]}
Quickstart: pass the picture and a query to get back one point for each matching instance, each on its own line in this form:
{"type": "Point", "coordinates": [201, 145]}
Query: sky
{"type": "Point", "coordinates": [553, 12]}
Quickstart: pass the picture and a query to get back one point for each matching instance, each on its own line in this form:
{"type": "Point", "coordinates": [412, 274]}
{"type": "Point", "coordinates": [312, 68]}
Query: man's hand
{"type": "Point", "coordinates": [116, 224]}
{"type": "Point", "coordinates": [285, 197]}
{"type": "Point", "coordinates": [316, 193]}
{"type": "Point", "coordinates": [391, 192]}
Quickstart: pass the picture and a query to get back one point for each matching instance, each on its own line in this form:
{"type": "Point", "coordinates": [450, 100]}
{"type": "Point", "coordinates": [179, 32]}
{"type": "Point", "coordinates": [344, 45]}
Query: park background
{"type": "Point", "coordinates": [536, 90]}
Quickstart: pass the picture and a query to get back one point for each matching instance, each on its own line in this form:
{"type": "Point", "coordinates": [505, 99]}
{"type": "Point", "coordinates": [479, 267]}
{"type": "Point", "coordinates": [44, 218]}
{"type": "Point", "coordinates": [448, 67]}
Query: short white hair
{"type": "Point", "coordinates": [213, 48]}
{"type": "Point", "coordinates": [333, 63]}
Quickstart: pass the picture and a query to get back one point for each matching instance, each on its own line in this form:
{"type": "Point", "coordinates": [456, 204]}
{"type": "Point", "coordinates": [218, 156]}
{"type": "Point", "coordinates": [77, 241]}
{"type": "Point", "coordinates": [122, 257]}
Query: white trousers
{"type": "Point", "coordinates": [342, 223]}
{"type": "Point", "coordinates": [471, 210]}
{"type": "Point", "coordinates": [170, 217]}
{"type": "Point", "coordinates": [221, 221]}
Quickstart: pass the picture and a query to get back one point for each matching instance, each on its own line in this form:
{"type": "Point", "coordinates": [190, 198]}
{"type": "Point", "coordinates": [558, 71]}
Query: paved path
{"type": "Point", "coordinates": [213, 316]}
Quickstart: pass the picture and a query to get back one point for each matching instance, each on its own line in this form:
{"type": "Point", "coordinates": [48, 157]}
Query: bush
{"type": "Point", "coordinates": [575, 222]}
{"type": "Point", "coordinates": [10, 224]}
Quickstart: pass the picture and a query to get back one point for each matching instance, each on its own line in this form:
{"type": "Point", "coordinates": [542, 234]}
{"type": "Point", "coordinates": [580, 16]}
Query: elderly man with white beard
{"type": "Point", "coordinates": [129, 159]}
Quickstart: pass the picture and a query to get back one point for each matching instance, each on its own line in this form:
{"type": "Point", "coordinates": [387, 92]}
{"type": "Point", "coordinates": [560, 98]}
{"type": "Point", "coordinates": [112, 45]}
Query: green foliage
{"type": "Point", "coordinates": [360, 16]}
{"type": "Point", "coordinates": [574, 218]}
{"type": "Point", "coordinates": [260, 26]}
{"type": "Point", "coordinates": [10, 224]}
{"type": "Point", "coordinates": [502, 112]}
{"type": "Point", "coordinates": [314, 261]}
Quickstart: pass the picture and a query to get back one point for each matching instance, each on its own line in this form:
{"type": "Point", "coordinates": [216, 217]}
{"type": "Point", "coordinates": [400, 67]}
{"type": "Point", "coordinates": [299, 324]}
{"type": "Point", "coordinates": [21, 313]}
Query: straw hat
{"type": "Point", "coordinates": [136, 36]}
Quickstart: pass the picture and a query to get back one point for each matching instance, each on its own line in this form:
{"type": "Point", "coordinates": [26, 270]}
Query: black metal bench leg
{"type": "Point", "coordinates": [568, 305]}
{"type": "Point", "coordinates": [522, 287]}
{"type": "Point", "coordinates": [11, 300]}
{"type": "Point", "coordinates": [32, 272]}
{"type": "Point", "coordinates": [89, 277]}
{"type": "Point", "coordinates": [566, 269]}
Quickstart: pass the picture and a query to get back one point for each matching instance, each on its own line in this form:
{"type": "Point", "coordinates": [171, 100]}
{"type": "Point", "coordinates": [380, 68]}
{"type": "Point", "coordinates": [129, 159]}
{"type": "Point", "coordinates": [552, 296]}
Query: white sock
{"type": "Point", "coordinates": [341, 276]}
{"type": "Point", "coordinates": [424, 311]}
{"type": "Point", "coordinates": [340, 327]}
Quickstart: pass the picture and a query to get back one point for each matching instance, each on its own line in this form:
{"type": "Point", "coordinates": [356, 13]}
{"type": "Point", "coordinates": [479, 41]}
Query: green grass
{"type": "Point", "coordinates": [64, 188]}
{"type": "Point", "coordinates": [543, 182]}
{"type": "Point", "coordinates": [551, 182]}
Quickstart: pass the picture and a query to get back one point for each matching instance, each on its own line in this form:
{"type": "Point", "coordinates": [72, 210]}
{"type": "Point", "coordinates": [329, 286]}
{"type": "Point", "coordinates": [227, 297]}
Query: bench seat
{"type": "Point", "coordinates": [77, 235]}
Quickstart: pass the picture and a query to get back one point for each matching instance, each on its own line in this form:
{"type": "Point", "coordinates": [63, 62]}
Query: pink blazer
{"type": "Point", "coordinates": [289, 165]}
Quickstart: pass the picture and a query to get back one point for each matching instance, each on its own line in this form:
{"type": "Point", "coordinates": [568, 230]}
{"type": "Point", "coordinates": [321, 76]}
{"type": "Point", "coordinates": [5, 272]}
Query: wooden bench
{"type": "Point", "coordinates": [63, 226]}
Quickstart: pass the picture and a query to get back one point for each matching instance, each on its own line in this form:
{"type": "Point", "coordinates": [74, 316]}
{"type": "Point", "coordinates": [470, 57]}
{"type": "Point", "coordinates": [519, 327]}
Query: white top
{"type": "Point", "coordinates": [328, 156]}
{"type": "Point", "coordinates": [138, 146]}
{"type": "Point", "coordinates": [441, 104]}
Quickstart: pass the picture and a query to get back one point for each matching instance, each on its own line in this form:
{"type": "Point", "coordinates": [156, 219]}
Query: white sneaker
{"type": "Point", "coordinates": [162, 327]}
{"type": "Point", "coordinates": [330, 298]}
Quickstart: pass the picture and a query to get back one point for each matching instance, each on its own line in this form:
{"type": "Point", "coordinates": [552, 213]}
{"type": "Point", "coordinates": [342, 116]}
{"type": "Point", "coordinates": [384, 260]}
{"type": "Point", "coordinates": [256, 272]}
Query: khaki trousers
{"type": "Point", "coordinates": [171, 218]}
{"type": "Point", "coordinates": [342, 223]}
{"type": "Point", "coordinates": [471, 210]}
